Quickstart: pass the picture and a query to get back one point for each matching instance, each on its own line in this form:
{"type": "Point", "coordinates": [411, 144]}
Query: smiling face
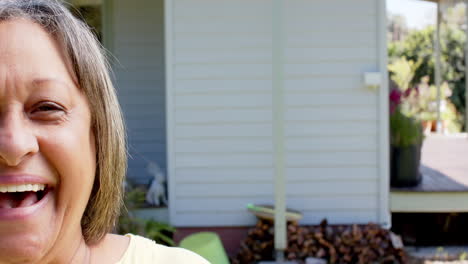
{"type": "Point", "coordinates": [46, 142]}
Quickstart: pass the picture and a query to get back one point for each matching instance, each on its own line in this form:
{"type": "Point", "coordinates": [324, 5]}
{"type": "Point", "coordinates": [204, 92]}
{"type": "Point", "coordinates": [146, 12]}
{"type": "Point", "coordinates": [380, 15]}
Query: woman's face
{"type": "Point", "coordinates": [46, 142]}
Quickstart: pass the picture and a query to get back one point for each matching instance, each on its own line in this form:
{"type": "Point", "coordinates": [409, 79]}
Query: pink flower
{"type": "Point", "coordinates": [395, 96]}
{"type": "Point", "coordinates": [395, 99]}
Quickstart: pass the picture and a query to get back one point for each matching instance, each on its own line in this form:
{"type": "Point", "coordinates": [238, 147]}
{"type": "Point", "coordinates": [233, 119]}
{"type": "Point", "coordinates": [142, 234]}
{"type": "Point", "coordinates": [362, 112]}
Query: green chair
{"type": "Point", "coordinates": [207, 245]}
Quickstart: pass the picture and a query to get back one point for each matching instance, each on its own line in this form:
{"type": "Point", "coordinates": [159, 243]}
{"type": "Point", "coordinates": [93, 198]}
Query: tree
{"type": "Point", "coordinates": [397, 27]}
{"type": "Point", "coordinates": [418, 46]}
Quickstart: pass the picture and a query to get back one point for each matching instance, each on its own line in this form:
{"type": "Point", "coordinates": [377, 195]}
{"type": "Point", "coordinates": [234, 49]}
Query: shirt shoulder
{"type": "Point", "coordinates": [143, 250]}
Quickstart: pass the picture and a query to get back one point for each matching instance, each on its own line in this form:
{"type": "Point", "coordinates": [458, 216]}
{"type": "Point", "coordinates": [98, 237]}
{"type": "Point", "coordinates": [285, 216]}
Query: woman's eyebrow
{"type": "Point", "coordinates": [38, 82]}
{"type": "Point", "coordinates": [44, 81]}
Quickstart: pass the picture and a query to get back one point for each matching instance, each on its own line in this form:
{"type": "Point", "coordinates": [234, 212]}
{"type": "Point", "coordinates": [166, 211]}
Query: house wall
{"type": "Point", "coordinates": [220, 110]}
{"type": "Point", "coordinates": [331, 118]}
{"type": "Point", "coordinates": [137, 42]}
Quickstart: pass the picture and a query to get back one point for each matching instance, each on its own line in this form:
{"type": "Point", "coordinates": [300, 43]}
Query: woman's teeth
{"type": "Point", "coordinates": [22, 188]}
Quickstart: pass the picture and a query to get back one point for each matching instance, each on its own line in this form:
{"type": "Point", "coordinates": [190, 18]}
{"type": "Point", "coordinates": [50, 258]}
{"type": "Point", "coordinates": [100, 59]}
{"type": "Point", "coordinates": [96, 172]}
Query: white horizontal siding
{"type": "Point", "coordinates": [321, 189]}
{"type": "Point", "coordinates": [331, 118]}
{"type": "Point", "coordinates": [138, 47]}
{"type": "Point", "coordinates": [224, 100]}
{"type": "Point", "coordinates": [223, 175]}
{"type": "Point", "coordinates": [317, 174]}
{"type": "Point", "coordinates": [331, 113]}
{"type": "Point", "coordinates": [330, 159]}
{"type": "Point", "coordinates": [328, 39]}
{"type": "Point", "coordinates": [216, 115]}
{"type": "Point", "coordinates": [211, 131]}
{"type": "Point", "coordinates": [223, 145]}
{"type": "Point", "coordinates": [221, 110]}
{"type": "Point", "coordinates": [331, 143]}
{"type": "Point", "coordinates": [219, 190]}
{"type": "Point", "coordinates": [337, 128]}
{"type": "Point", "coordinates": [213, 86]}
{"type": "Point", "coordinates": [214, 160]}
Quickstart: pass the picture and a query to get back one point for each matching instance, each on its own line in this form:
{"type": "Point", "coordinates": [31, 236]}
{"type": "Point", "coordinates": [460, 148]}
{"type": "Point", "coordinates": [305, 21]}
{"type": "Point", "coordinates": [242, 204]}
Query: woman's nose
{"type": "Point", "coordinates": [17, 140]}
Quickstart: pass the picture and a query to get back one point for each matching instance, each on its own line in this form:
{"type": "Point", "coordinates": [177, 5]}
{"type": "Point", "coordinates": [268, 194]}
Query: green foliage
{"type": "Point", "coordinates": [402, 72]}
{"type": "Point", "coordinates": [418, 47]}
{"type": "Point", "coordinates": [162, 233]}
{"type": "Point", "coordinates": [135, 198]}
{"type": "Point", "coordinates": [405, 131]}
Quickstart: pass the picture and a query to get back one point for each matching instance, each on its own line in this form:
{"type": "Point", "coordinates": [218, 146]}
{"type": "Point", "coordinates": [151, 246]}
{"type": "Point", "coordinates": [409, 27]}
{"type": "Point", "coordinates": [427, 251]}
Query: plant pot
{"type": "Point", "coordinates": [404, 166]}
{"type": "Point", "coordinates": [428, 126]}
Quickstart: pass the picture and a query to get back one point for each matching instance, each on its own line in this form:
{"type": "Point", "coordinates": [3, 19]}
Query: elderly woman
{"type": "Point", "coordinates": [62, 145]}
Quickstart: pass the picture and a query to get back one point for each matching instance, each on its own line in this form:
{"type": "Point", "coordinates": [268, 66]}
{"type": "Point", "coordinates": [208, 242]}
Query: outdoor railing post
{"type": "Point", "coordinates": [437, 69]}
{"type": "Point", "coordinates": [466, 66]}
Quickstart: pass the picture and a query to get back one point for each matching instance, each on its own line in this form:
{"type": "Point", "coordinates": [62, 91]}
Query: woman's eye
{"type": "Point", "coordinates": [46, 107]}
{"type": "Point", "coordinates": [47, 111]}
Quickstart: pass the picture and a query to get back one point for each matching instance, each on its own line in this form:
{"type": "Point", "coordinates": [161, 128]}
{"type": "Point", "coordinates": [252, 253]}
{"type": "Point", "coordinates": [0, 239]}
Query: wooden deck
{"type": "Point", "coordinates": [444, 186]}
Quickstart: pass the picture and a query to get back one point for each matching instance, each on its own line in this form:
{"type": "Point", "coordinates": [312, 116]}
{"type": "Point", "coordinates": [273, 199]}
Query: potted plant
{"type": "Point", "coordinates": [405, 130]}
{"type": "Point", "coordinates": [405, 156]}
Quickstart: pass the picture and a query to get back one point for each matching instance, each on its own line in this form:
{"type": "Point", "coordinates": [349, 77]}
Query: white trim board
{"type": "Point", "coordinates": [169, 59]}
{"type": "Point", "coordinates": [384, 138]}
{"type": "Point", "coordinates": [428, 202]}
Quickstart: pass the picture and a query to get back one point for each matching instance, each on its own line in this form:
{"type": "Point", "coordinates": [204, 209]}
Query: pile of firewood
{"type": "Point", "coordinates": [336, 244]}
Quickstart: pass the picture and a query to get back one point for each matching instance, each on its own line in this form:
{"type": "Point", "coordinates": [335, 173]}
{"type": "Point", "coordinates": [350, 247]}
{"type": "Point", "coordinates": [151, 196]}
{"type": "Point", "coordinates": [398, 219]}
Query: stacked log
{"type": "Point", "coordinates": [337, 244]}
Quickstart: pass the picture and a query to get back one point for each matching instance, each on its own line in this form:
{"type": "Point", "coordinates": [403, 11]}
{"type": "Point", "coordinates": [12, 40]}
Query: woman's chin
{"type": "Point", "coordinates": [27, 233]}
{"type": "Point", "coordinates": [22, 248]}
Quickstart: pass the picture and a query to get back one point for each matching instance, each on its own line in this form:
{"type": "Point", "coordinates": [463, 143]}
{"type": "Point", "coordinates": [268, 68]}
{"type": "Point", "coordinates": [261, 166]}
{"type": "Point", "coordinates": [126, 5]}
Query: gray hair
{"type": "Point", "coordinates": [92, 71]}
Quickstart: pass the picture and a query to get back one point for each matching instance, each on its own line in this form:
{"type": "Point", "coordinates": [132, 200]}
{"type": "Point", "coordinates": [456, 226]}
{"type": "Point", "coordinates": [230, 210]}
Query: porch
{"type": "Point", "coordinates": [444, 187]}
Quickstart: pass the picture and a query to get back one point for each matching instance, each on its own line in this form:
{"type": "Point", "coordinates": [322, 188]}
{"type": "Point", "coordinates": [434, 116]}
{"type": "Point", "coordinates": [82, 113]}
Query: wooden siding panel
{"type": "Point", "coordinates": [338, 99]}
{"type": "Point", "coordinates": [217, 190]}
{"type": "Point", "coordinates": [214, 160]}
{"type": "Point", "coordinates": [331, 39]}
{"type": "Point", "coordinates": [224, 100]}
{"type": "Point", "coordinates": [334, 8]}
{"type": "Point", "coordinates": [223, 71]}
{"type": "Point", "coordinates": [332, 113]}
{"type": "Point", "coordinates": [338, 128]}
{"type": "Point", "coordinates": [222, 116]}
{"type": "Point", "coordinates": [207, 9]}
{"type": "Point", "coordinates": [138, 47]}
{"type": "Point", "coordinates": [302, 70]}
{"type": "Point", "coordinates": [224, 56]}
{"type": "Point", "coordinates": [331, 118]}
{"type": "Point", "coordinates": [333, 174]}
{"type": "Point", "coordinates": [200, 131]}
{"type": "Point", "coordinates": [342, 189]}
{"type": "Point", "coordinates": [329, 202]}
{"type": "Point", "coordinates": [223, 175]}
{"type": "Point", "coordinates": [331, 83]}
{"type": "Point", "coordinates": [192, 41]}
{"type": "Point", "coordinates": [223, 145]}
{"type": "Point", "coordinates": [363, 54]}
{"type": "Point", "coordinates": [331, 158]}
{"type": "Point", "coordinates": [319, 144]}
{"type": "Point", "coordinates": [244, 85]}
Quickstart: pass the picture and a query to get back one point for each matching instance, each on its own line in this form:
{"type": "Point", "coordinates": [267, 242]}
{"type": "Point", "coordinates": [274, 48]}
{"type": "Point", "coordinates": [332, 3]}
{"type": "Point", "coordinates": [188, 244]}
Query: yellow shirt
{"type": "Point", "coordinates": [144, 251]}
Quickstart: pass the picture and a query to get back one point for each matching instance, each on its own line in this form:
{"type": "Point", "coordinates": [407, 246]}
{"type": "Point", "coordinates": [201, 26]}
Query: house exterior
{"type": "Point", "coordinates": [196, 85]}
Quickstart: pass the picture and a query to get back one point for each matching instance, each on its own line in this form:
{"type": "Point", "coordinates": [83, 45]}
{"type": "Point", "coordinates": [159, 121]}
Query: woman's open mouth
{"type": "Point", "coordinates": [21, 195]}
